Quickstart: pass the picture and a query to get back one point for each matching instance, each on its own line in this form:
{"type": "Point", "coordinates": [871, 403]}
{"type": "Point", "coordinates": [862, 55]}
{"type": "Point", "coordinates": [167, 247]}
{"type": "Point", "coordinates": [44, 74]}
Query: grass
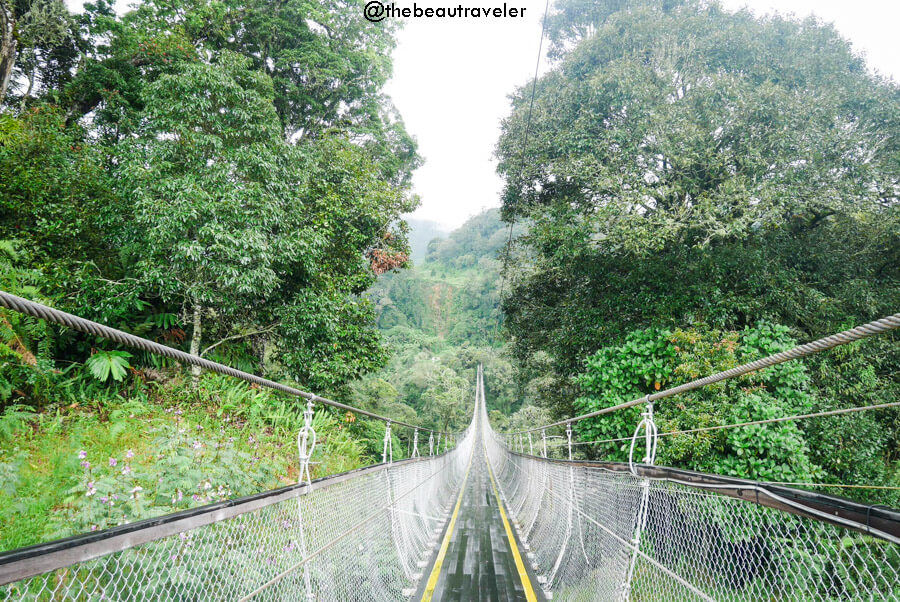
{"type": "Point", "coordinates": [181, 448]}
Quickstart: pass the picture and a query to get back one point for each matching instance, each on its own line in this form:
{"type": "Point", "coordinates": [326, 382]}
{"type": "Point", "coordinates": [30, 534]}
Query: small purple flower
{"type": "Point", "coordinates": [197, 445]}
{"type": "Point", "coordinates": [90, 489]}
{"type": "Point", "coordinates": [129, 454]}
{"type": "Point", "coordinates": [93, 527]}
{"type": "Point", "coordinates": [178, 412]}
{"type": "Point", "coordinates": [82, 454]}
{"type": "Point", "coordinates": [127, 470]}
{"type": "Point", "coordinates": [113, 461]}
{"type": "Point", "coordinates": [199, 427]}
{"type": "Point", "coordinates": [85, 464]}
{"type": "Point", "coordinates": [104, 499]}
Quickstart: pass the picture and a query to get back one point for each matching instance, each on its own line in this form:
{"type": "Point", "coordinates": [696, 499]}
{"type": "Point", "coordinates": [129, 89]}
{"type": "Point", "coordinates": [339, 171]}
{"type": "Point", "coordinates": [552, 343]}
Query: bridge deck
{"type": "Point", "coordinates": [479, 562]}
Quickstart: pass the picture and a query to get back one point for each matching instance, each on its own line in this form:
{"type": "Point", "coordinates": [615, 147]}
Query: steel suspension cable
{"type": "Point", "coordinates": [74, 322]}
{"type": "Point", "coordinates": [842, 338]}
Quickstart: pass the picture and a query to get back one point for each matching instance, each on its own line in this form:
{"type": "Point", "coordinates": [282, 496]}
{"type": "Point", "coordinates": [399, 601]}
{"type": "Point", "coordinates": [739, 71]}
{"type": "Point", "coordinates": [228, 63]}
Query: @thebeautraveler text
{"type": "Point", "coordinates": [376, 11]}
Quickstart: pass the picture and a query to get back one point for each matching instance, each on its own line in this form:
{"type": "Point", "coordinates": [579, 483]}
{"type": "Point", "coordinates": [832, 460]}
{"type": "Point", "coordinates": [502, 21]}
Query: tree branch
{"type": "Point", "coordinates": [237, 336]}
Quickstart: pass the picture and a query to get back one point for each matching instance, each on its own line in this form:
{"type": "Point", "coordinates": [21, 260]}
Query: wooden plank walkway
{"type": "Point", "coordinates": [479, 563]}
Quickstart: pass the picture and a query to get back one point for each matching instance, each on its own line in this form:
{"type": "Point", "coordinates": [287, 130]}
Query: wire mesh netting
{"type": "Point", "coordinates": [360, 538]}
{"type": "Point", "coordinates": [580, 523]}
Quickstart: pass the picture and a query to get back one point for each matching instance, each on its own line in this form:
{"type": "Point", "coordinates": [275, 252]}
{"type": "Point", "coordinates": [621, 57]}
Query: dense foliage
{"type": "Point", "coordinates": [111, 455]}
{"type": "Point", "coordinates": [692, 170]}
{"type": "Point", "coordinates": [230, 176]}
{"type": "Point", "coordinates": [651, 359]}
{"type": "Point", "coordinates": [226, 178]}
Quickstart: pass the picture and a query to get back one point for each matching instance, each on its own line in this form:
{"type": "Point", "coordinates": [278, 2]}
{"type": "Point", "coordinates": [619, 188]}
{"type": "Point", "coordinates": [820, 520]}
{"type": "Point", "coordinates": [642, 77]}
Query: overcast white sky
{"type": "Point", "coordinates": [452, 78]}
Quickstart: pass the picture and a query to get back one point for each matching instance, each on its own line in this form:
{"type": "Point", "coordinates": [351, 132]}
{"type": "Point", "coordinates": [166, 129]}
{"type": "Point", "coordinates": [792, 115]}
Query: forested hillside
{"type": "Point", "coordinates": [441, 319]}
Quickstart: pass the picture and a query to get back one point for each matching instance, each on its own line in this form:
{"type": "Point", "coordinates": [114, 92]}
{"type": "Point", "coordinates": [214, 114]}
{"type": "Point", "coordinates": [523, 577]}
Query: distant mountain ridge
{"type": "Point", "coordinates": [422, 232]}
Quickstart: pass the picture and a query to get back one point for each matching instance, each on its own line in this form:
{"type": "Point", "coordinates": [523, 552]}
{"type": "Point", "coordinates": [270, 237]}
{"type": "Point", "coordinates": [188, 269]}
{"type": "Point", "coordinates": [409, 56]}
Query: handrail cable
{"type": "Point", "coordinates": [802, 484]}
{"type": "Point", "coordinates": [842, 338]}
{"type": "Point", "coordinates": [68, 320]}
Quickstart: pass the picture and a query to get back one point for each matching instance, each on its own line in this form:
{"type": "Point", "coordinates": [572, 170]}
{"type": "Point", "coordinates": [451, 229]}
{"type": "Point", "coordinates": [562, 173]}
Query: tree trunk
{"type": "Point", "coordinates": [196, 335]}
{"type": "Point", "coordinates": [258, 348]}
{"type": "Point", "coordinates": [7, 47]}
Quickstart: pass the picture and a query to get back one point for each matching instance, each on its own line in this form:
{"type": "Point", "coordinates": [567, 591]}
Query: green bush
{"type": "Point", "coordinates": [650, 360]}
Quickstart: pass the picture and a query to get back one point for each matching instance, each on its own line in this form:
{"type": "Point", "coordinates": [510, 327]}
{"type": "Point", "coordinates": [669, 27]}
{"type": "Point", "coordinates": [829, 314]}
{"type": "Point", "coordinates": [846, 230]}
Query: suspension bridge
{"type": "Point", "coordinates": [482, 515]}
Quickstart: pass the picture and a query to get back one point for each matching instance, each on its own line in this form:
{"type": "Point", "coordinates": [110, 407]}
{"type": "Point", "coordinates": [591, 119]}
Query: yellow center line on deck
{"type": "Point", "coordinates": [439, 561]}
{"type": "Point", "coordinates": [530, 595]}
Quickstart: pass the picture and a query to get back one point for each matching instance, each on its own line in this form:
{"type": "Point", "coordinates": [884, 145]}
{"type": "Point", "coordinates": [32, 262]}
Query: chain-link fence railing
{"type": "Point", "coordinates": [360, 536]}
{"type": "Point", "coordinates": [601, 533]}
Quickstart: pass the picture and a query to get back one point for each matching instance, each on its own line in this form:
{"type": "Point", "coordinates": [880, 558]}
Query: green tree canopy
{"type": "Point", "coordinates": [227, 175]}
{"type": "Point", "coordinates": [686, 164]}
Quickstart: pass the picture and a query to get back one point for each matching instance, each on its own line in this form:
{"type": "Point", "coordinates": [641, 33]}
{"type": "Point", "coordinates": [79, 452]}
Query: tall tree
{"type": "Point", "coordinates": [250, 174]}
{"type": "Point", "coordinates": [688, 164]}
{"type": "Point", "coordinates": [39, 45]}
{"type": "Point", "coordinates": [214, 186]}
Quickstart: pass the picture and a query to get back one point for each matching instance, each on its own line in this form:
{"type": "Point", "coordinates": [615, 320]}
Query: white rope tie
{"type": "Point", "coordinates": [306, 444]}
{"type": "Point", "coordinates": [388, 454]}
{"type": "Point", "coordinates": [530, 446]}
{"type": "Point", "coordinates": [651, 437]}
{"type": "Point", "coordinates": [431, 443]}
{"type": "Point", "coordinates": [415, 449]}
{"type": "Point", "coordinates": [569, 437]}
{"type": "Point", "coordinates": [544, 442]}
